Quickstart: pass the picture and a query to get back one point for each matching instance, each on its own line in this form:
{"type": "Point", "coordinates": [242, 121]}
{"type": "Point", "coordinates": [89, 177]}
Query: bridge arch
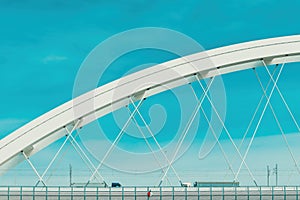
{"type": "Point", "coordinates": [46, 129]}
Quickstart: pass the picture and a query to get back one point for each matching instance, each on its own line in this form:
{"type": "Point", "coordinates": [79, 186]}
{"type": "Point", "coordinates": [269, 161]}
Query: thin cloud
{"type": "Point", "coordinates": [9, 125]}
{"type": "Point", "coordinates": [54, 58]}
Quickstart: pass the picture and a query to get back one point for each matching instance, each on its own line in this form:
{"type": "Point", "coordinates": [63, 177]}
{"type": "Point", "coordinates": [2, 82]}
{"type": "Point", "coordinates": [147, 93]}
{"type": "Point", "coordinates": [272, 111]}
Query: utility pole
{"type": "Point", "coordinates": [70, 174]}
{"type": "Point", "coordinates": [268, 175]}
{"type": "Point", "coordinates": [275, 171]}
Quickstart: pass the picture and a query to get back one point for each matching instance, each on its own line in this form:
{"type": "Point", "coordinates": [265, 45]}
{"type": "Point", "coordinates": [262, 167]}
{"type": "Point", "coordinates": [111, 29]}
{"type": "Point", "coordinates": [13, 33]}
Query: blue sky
{"type": "Point", "coordinates": [43, 44]}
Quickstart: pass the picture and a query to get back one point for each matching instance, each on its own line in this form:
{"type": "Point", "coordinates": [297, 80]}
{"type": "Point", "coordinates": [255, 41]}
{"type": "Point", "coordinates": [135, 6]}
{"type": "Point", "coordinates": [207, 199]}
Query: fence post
{"type": "Point", "coordinates": [147, 193]}
{"type": "Point", "coordinates": [248, 193]}
{"type": "Point", "coordinates": [8, 191]}
{"type": "Point", "coordinates": [296, 192]}
{"type": "Point", "coordinates": [284, 190]}
{"type": "Point", "coordinates": [160, 193]}
{"type": "Point", "coordinates": [84, 193]}
{"type": "Point", "coordinates": [109, 193]}
{"type": "Point", "coordinates": [97, 193]}
{"type": "Point", "coordinates": [33, 192]}
{"type": "Point", "coordinates": [198, 193]}
{"type": "Point", "coordinates": [72, 193]}
{"type": "Point", "coordinates": [135, 193]}
{"type": "Point", "coordinates": [260, 192]}
{"type": "Point", "coordinates": [122, 193]}
{"type": "Point", "coordinates": [173, 196]}
{"type": "Point", "coordinates": [223, 194]}
{"type": "Point", "coordinates": [210, 192]}
{"type": "Point", "coordinates": [272, 193]}
{"type": "Point", "coordinates": [235, 193]}
{"type": "Point", "coordinates": [58, 192]}
{"type": "Point", "coordinates": [21, 197]}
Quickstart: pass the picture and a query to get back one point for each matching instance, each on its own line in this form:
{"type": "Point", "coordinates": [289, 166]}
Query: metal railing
{"type": "Point", "coordinates": [140, 193]}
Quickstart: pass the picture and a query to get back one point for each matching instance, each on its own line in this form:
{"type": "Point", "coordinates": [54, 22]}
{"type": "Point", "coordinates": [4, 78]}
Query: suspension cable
{"type": "Point", "coordinates": [117, 139]}
{"type": "Point", "coordinates": [155, 140]}
{"type": "Point", "coordinates": [187, 127]}
{"type": "Point", "coordinates": [34, 169]}
{"type": "Point", "coordinates": [84, 160]}
{"type": "Point", "coordinates": [214, 134]}
{"type": "Point", "coordinates": [69, 133]}
{"type": "Point", "coordinates": [278, 124]}
{"type": "Point", "coordinates": [147, 142]}
{"type": "Point", "coordinates": [256, 110]}
{"type": "Point", "coordinates": [63, 154]}
{"type": "Point", "coordinates": [228, 134]}
{"type": "Point", "coordinates": [281, 96]}
{"type": "Point", "coordinates": [259, 121]}
{"type": "Point", "coordinates": [87, 160]}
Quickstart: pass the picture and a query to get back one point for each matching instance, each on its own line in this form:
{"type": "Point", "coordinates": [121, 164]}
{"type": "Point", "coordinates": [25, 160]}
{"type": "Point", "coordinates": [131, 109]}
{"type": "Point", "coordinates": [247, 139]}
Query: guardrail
{"type": "Point", "coordinates": [140, 193]}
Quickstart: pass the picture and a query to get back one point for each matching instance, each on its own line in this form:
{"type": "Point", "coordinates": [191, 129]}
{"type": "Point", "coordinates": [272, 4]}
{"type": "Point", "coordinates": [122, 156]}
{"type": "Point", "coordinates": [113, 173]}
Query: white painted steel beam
{"type": "Point", "coordinates": [88, 107]}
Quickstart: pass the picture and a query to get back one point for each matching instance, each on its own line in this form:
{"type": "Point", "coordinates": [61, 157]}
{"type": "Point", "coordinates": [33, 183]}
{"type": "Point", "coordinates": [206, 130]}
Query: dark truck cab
{"type": "Point", "coordinates": [116, 184]}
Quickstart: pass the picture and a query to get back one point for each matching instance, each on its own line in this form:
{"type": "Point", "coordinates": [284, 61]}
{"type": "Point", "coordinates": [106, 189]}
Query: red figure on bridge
{"type": "Point", "coordinates": [149, 194]}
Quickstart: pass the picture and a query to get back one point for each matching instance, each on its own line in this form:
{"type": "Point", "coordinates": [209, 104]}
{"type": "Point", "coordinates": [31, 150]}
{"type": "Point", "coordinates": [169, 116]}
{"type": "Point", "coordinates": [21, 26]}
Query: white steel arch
{"type": "Point", "coordinates": [88, 107]}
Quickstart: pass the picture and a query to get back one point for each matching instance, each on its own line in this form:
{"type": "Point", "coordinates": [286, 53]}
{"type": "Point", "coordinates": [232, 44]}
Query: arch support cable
{"type": "Point", "coordinates": [227, 132]}
{"type": "Point", "coordinates": [68, 135]}
{"type": "Point", "coordinates": [34, 169]}
{"type": "Point", "coordinates": [155, 140]}
{"type": "Point", "coordinates": [85, 158]}
{"type": "Point", "coordinates": [148, 144]}
{"type": "Point", "coordinates": [278, 123]}
{"type": "Point", "coordinates": [256, 110]}
{"type": "Point", "coordinates": [259, 121]}
{"type": "Point", "coordinates": [214, 135]}
{"type": "Point", "coordinates": [188, 126]}
{"type": "Point", "coordinates": [121, 133]}
{"type": "Point", "coordinates": [282, 97]}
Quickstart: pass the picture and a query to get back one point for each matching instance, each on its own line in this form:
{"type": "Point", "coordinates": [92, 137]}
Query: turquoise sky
{"type": "Point", "coordinates": [43, 44]}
